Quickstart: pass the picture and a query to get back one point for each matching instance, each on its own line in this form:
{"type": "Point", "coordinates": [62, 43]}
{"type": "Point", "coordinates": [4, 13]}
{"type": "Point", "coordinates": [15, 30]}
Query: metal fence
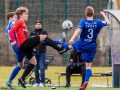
{"type": "Point", "coordinates": [52, 13]}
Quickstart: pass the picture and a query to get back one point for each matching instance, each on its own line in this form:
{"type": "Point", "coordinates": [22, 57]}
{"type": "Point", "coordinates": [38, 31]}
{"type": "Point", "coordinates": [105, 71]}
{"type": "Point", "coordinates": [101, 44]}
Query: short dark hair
{"type": "Point", "coordinates": [38, 21]}
{"type": "Point", "coordinates": [10, 14]}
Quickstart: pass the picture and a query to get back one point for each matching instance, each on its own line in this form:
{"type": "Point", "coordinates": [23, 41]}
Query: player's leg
{"type": "Point", "coordinates": [76, 46]}
{"type": "Point", "coordinates": [28, 51]}
{"type": "Point", "coordinates": [39, 39]}
{"type": "Point", "coordinates": [14, 74]}
{"type": "Point", "coordinates": [19, 56]}
{"type": "Point", "coordinates": [87, 76]}
{"type": "Point", "coordinates": [55, 41]}
{"type": "Point", "coordinates": [60, 41]}
{"type": "Point", "coordinates": [67, 47]}
{"type": "Point", "coordinates": [27, 70]}
{"type": "Point", "coordinates": [88, 71]}
{"type": "Point", "coordinates": [50, 42]}
{"type": "Point", "coordinates": [88, 57]}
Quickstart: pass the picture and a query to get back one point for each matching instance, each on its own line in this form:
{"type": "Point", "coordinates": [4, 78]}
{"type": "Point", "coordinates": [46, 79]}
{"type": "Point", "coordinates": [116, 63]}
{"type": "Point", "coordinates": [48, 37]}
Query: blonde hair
{"type": "Point", "coordinates": [20, 10]}
{"type": "Point", "coordinates": [89, 11]}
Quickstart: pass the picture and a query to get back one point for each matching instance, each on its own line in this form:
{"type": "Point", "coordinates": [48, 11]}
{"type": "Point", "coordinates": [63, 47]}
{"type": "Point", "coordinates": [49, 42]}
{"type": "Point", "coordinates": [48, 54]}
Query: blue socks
{"type": "Point", "coordinates": [65, 45]}
{"type": "Point", "coordinates": [14, 72]}
{"type": "Point", "coordinates": [57, 41]}
{"type": "Point", "coordinates": [88, 74]}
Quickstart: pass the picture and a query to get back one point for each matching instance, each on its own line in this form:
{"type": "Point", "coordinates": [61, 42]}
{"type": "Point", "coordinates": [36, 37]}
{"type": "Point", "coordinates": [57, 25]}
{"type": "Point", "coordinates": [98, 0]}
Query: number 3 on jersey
{"type": "Point", "coordinates": [90, 35]}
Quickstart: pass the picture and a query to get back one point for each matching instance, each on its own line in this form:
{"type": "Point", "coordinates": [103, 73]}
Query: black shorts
{"type": "Point", "coordinates": [28, 45]}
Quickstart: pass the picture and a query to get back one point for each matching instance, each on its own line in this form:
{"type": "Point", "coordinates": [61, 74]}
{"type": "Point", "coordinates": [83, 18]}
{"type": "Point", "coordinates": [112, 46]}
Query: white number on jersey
{"type": "Point", "coordinates": [89, 36]}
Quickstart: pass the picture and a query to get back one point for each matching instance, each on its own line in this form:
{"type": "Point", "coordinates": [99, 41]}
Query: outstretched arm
{"type": "Point", "coordinates": [105, 17]}
{"type": "Point", "coordinates": [76, 33]}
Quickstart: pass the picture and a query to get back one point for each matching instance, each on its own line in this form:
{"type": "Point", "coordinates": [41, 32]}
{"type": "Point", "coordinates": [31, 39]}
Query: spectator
{"type": "Point", "coordinates": [76, 66]}
{"type": "Point", "coordinates": [40, 54]}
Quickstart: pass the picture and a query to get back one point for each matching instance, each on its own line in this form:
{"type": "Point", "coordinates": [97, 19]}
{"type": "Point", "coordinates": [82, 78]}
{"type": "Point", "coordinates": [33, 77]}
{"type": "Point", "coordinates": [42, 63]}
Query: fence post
{"type": "Point", "coordinates": [110, 58]}
{"type": "Point", "coordinates": [88, 2]}
{"type": "Point", "coordinates": [42, 17]}
{"type": "Point", "coordinates": [65, 16]}
{"type": "Point", "coordinates": [111, 4]}
{"type": "Point", "coordinates": [6, 56]}
{"type": "Point", "coordinates": [17, 3]}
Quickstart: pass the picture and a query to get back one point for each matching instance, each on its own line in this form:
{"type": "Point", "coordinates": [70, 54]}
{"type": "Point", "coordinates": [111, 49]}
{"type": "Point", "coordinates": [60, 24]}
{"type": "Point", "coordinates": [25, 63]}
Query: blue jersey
{"type": "Point", "coordinates": [9, 26]}
{"type": "Point", "coordinates": [87, 41]}
{"type": "Point", "coordinates": [90, 30]}
{"type": "Point", "coordinates": [19, 54]}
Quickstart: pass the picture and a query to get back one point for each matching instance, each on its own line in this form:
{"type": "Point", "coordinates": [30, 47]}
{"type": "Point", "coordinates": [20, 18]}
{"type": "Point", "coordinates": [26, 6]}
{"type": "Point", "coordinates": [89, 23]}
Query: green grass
{"type": "Point", "coordinates": [58, 88]}
{"type": "Point", "coordinates": [50, 73]}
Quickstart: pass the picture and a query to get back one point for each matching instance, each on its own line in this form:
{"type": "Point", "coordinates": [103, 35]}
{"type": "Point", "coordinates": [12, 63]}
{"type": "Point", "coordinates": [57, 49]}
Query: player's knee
{"type": "Point", "coordinates": [42, 37]}
{"type": "Point", "coordinates": [70, 47]}
{"type": "Point", "coordinates": [33, 60]}
{"type": "Point", "coordinates": [20, 65]}
{"type": "Point", "coordinates": [88, 65]}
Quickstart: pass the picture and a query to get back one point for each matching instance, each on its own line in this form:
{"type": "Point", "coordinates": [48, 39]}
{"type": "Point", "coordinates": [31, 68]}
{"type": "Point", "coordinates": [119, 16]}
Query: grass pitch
{"type": "Point", "coordinates": [57, 88]}
{"type": "Point", "coordinates": [51, 73]}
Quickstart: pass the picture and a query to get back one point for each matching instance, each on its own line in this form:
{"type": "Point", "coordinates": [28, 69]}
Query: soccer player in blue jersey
{"type": "Point", "coordinates": [12, 17]}
{"type": "Point", "coordinates": [88, 29]}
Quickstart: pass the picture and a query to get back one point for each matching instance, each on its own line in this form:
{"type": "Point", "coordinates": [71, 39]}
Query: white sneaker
{"type": "Point", "coordinates": [41, 85]}
{"type": "Point", "coordinates": [36, 85]}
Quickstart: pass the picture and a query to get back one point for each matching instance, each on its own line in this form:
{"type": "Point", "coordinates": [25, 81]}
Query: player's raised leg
{"type": "Point", "coordinates": [60, 41]}
{"type": "Point", "coordinates": [51, 43]}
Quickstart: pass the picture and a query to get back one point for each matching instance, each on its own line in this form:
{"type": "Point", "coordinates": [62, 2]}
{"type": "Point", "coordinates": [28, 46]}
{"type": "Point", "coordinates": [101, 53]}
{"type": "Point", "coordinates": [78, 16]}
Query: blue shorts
{"type": "Point", "coordinates": [19, 54]}
{"type": "Point", "coordinates": [88, 51]}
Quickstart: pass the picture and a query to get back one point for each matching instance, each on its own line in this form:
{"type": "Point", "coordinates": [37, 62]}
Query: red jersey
{"type": "Point", "coordinates": [21, 32]}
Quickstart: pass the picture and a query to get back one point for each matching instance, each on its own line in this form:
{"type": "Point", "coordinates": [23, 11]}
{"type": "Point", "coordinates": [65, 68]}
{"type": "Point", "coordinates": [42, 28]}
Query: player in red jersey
{"type": "Point", "coordinates": [26, 44]}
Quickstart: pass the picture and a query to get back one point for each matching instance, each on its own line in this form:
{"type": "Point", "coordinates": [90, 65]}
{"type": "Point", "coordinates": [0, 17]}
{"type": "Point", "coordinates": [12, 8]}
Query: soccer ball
{"type": "Point", "coordinates": [67, 25]}
{"type": "Point", "coordinates": [53, 87]}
